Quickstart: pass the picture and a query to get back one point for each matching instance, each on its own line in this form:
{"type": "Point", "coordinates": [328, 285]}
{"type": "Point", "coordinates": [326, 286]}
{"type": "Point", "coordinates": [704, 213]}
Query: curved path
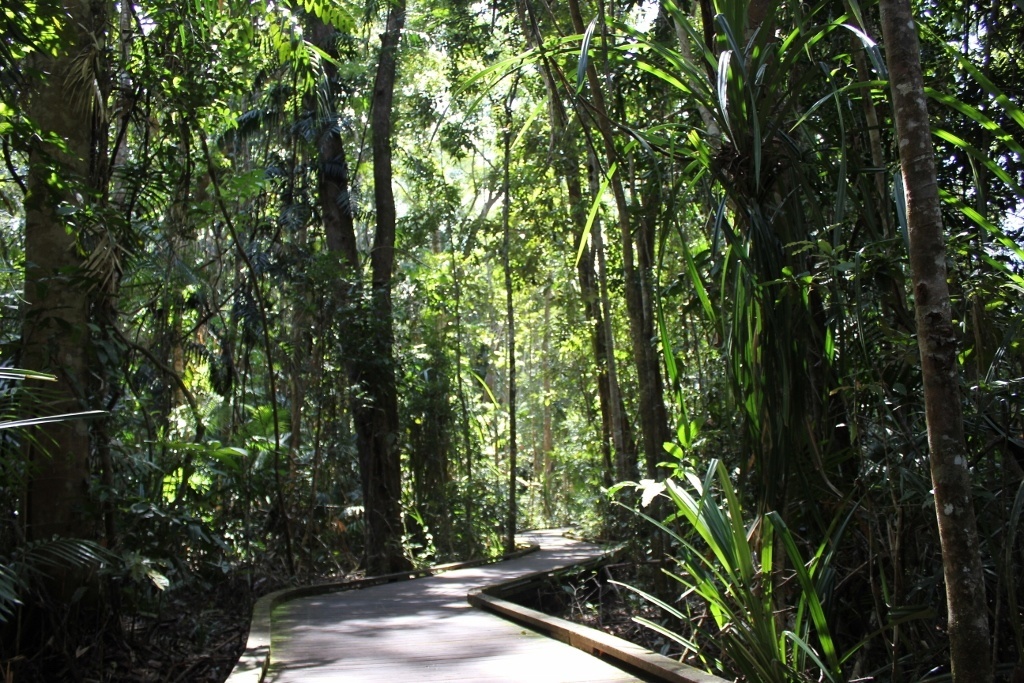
{"type": "Point", "coordinates": [424, 630]}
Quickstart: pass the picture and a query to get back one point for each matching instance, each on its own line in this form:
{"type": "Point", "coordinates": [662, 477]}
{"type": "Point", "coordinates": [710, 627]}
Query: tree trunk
{"type": "Point", "coordinates": [369, 357]}
{"type": "Point", "coordinates": [637, 275]}
{"type": "Point", "coordinates": [55, 336]}
{"type": "Point", "coordinates": [377, 419]}
{"type": "Point", "coordinates": [547, 441]}
{"type": "Point", "coordinates": [970, 646]}
{"type": "Point", "coordinates": [510, 322]}
{"type": "Point", "coordinates": [461, 389]}
{"type": "Point", "coordinates": [621, 429]}
{"type": "Point", "coordinates": [614, 424]}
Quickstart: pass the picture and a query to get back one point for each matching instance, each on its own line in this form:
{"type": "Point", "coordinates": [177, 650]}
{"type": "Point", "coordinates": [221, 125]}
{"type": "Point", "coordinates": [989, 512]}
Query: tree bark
{"type": "Point", "coordinates": [370, 355]}
{"type": "Point", "coordinates": [970, 646]}
{"type": "Point", "coordinates": [377, 424]}
{"type": "Point", "coordinates": [620, 431]}
{"type": "Point", "coordinates": [510, 322]}
{"type": "Point", "coordinates": [637, 275]}
{"type": "Point", "coordinates": [615, 447]}
{"type": "Point", "coordinates": [61, 185]}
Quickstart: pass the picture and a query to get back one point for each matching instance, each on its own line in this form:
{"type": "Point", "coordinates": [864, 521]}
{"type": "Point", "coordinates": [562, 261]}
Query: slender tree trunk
{"type": "Point", "coordinates": [55, 335]}
{"type": "Point", "coordinates": [317, 372]}
{"type": "Point", "coordinates": [638, 282]}
{"type": "Point", "coordinates": [614, 425]}
{"type": "Point", "coordinates": [621, 430]}
{"type": "Point", "coordinates": [460, 387]}
{"type": "Point", "coordinates": [268, 349]}
{"type": "Point", "coordinates": [970, 646]}
{"type": "Point", "coordinates": [298, 365]}
{"type": "Point", "coordinates": [547, 442]}
{"type": "Point", "coordinates": [602, 342]}
{"type": "Point", "coordinates": [510, 322]}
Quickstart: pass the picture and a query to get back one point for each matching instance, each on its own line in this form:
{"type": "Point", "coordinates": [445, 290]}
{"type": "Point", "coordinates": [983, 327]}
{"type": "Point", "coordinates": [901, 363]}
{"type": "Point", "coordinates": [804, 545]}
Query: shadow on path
{"type": "Point", "coordinates": [424, 630]}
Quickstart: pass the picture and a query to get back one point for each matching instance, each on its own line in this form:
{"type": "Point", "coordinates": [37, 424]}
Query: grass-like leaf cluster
{"type": "Point", "coordinates": [767, 603]}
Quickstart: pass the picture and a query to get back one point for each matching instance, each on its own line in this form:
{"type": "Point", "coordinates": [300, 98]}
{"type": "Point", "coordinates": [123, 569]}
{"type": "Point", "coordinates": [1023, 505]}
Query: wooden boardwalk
{"type": "Point", "coordinates": [424, 630]}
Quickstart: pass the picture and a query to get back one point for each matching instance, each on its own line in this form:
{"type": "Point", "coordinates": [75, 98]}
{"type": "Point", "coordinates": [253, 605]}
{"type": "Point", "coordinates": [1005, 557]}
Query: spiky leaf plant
{"type": "Point", "coordinates": [769, 623]}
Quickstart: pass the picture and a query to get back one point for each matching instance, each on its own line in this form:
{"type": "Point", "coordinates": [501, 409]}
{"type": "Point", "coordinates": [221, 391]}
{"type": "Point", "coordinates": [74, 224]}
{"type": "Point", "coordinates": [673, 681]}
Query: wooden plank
{"type": "Point", "coordinates": [596, 642]}
{"type": "Point", "coordinates": [424, 630]}
{"type": "Point", "coordinates": [252, 664]}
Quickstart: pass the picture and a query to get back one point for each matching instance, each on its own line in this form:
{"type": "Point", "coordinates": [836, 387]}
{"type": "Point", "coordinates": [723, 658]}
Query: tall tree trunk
{"type": "Point", "coordinates": [61, 184]}
{"type": "Point", "coordinates": [613, 419]}
{"type": "Point", "coordinates": [377, 419]}
{"type": "Point", "coordinates": [638, 283]}
{"type": "Point", "coordinates": [299, 365]}
{"type": "Point", "coordinates": [461, 389]}
{"type": "Point", "coordinates": [510, 322]}
{"type": "Point", "coordinates": [370, 356]}
{"type": "Point", "coordinates": [970, 646]}
{"type": "Point", "coordinates": [621, 429]}
{"type": "Point", "coordinates": [614, 424]}
{"type": "Point", "coordinates": [259, 297]}
{"type": "Point", "coordinates": [547, 440]}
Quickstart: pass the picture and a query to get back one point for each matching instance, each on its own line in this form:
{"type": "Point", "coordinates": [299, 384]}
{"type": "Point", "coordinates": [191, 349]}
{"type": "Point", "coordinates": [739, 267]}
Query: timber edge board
{"type": "Point", "coordinates": [255, 659]}
{"type": "Point", "coordinates": [592, 641]}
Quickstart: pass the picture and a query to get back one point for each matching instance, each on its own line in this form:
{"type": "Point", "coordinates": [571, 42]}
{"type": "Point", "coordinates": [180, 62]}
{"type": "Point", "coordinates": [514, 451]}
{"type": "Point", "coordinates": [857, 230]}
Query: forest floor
{"type": "Point", "coordinates": [188, 634]}
{"type": "Point", "coordinates": [594, 598]}
{"type": "Point", "coordinates": [197, 638]}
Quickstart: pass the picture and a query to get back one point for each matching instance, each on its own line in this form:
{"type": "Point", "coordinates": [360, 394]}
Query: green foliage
{"type": "Point", "coordinates": [37, 560]}
{"type": "Point", "coordinates": [769, 615]}
{"type": "Point", "coordinates": [759, 162]}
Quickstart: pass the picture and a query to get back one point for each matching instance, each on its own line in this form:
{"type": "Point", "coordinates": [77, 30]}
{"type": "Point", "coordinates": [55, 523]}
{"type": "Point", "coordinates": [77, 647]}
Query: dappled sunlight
{"type": "Point", "coordinates": [425, 630]}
